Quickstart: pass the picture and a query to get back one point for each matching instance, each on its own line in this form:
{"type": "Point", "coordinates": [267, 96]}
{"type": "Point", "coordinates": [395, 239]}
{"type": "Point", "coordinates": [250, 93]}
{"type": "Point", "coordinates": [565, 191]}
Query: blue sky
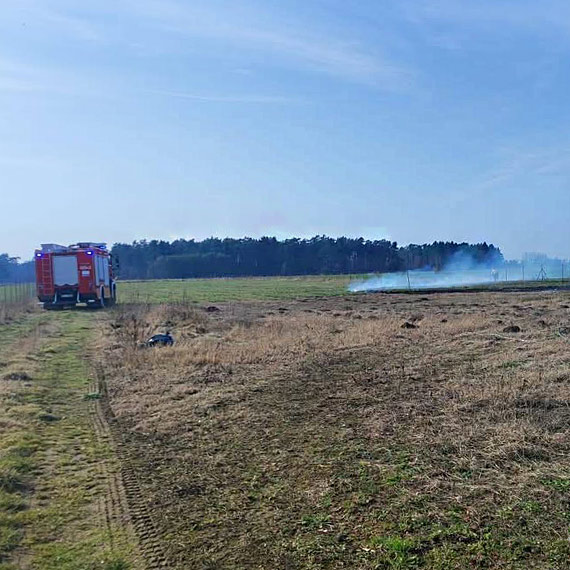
{"type": "Point", "coordinates": [409, 120]}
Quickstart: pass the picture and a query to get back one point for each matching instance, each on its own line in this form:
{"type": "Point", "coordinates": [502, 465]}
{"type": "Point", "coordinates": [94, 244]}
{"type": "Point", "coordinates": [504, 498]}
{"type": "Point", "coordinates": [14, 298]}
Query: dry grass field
{"type": "Point", "coordinates": [362, 431]}
{"type": "Point", "coordinates": [10, 311]}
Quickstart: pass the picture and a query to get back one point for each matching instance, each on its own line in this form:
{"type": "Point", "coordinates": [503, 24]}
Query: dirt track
{"type": "Point", "coordinates": [62, 502]}
{"type": "Point", "coordinates": [124, 501]}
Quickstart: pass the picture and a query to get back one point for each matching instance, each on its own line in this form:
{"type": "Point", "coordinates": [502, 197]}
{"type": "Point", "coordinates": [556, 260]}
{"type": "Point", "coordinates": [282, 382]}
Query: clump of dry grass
{"type": "Point", "coordinates": [132, 324]}
{"type": "Point", "coordinates": [11, 311]}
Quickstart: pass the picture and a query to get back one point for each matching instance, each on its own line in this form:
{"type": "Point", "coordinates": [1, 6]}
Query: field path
{"type": "Point", "coordinates": [63, 504]}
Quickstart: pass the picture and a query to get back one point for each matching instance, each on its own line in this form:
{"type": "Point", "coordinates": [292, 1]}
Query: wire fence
{"type": "Point", "coordinates": [524, 271]}
{"type": "Point", "coordinates": [16, 293]}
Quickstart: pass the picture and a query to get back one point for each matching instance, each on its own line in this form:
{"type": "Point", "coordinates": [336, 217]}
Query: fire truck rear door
{"type": "Point", "coordinates": [65, 270]}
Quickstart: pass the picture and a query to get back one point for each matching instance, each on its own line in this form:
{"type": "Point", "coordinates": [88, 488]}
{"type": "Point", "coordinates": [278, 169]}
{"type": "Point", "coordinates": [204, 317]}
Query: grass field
{"type": "Point", "coordinates": [54, 467]}
{"type": "Point", "coordinates": [233, 289]}
{"type": "Point", "coordinates": [268, 288]}
{"type": "Point", "coordinates": [358, 431]}
{"type": "Point", "coordinates": [15, 299]}
{"type": "Point", "coordinates": [288, 429]}
{"type": "Point", "coordinates": [15, 292]}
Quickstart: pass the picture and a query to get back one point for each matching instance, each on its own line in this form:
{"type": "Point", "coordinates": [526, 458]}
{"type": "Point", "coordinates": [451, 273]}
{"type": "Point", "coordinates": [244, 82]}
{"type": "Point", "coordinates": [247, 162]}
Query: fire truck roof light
{"type": "Point", "coordinates": [38, 254]}
{"type": "Point", "coordinates": [89, 252]}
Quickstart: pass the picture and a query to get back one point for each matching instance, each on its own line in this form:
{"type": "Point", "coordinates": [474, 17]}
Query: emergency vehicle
{"type": "Point", "coordinates": [78, 273]}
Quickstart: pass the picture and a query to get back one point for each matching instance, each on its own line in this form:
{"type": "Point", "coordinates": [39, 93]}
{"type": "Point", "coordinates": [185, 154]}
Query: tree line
{"type": "Point", "coordinates": [215, 257]}
{"type": "Point", "coordinates": [12, 271]}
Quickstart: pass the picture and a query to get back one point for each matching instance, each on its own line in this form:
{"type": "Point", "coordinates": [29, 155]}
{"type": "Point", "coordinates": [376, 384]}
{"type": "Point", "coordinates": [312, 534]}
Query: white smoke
{"type": "Point", "coordinates": [461, 271]}
{"type": "Point", "coordinates": [419, 279]}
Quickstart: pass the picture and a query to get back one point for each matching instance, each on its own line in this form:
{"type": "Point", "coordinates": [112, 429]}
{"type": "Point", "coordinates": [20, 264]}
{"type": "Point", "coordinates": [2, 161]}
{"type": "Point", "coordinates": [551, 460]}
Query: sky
{"type": "Point", "coordinates": [411, 121]}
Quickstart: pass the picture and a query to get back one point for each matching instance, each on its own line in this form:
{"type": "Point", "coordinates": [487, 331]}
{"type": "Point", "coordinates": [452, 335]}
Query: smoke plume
{"type": "Point", "coordinates": [462, 270]}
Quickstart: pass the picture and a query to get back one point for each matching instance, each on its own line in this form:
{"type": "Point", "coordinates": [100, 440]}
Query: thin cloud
{"type": "Point", "coordinates": [74, 26]}
{"type": "Point", "coordinates": [49, 16]}
{"type": "Point", "coordinates": [21, 77]}
{"type": "Point", "coordinates": [43, 162]}
{"type": "Point", "coordinates": [522, 168]}
{"type": "Point", "coordinates": [520, 15]}
{"type": "Point", "coordinates": [27, 78]}
{"type": "Point", "coordinates": [15, 76]}
{"type": "Point", "coordinates": [257, 32]}
{"type": "Point", "coordinates": [261, 99]}
{"type": "Point", "coordinates": [10, 84]}
{"type": "Point", "coordinates": [531, 163]}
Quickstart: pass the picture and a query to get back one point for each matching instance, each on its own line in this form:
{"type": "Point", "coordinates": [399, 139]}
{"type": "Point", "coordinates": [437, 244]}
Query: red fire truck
{"type": "Point", "coordinates": [78, 273]}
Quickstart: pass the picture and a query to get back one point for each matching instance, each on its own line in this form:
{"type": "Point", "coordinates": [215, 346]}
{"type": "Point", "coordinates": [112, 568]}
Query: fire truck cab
{"type": "Point", "coordinates": [78, 273]}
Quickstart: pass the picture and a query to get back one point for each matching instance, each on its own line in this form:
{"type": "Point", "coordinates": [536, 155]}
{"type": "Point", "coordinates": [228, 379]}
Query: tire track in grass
{"type": "Point", "coordinates": [71, 510]}
{"type": "Point", "coordinates": [127, 489]}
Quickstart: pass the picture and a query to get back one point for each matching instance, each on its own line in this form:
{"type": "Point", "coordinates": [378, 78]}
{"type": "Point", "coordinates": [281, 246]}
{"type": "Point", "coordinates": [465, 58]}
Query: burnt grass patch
{"type": "Point", "coordinates": [296, 439]}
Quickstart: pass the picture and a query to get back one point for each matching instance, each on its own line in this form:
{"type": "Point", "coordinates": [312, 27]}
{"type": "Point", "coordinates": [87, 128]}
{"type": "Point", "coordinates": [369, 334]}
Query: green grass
{"type": "Point", "coordinates": [274, 288]}
{"type": "Point", "coordinates": [16, 292]}
{"type": "Point", "coordinates": [233, 289]}
{"type": "Point", "coordinates": [49, 481]}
